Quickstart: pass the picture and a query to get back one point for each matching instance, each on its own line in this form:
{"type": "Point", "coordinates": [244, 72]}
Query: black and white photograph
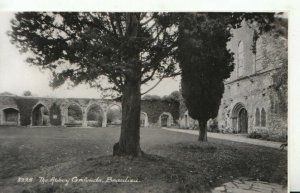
{"type": "Point", "coordinates": [144, 101]}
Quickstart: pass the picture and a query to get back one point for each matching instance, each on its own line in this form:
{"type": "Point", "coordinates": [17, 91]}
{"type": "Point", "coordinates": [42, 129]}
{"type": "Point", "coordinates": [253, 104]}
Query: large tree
{"type": "Point", "coordinates": [205, 60]}
{"type": "Point", "coordinates": [127, 49]}
{"type": "Point", "coordinates": [205, 63]}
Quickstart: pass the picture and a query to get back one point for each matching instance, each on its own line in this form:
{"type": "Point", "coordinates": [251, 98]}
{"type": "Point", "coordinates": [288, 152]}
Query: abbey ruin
{"type": "Point", "coordinates": [254, 100]}
{"type": "Point", "coordinates": [79, 112]}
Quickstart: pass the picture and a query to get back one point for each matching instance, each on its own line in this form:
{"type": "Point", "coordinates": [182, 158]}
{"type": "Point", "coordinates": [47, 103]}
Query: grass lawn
{"type": "Point", "coordinates": [174, 162]}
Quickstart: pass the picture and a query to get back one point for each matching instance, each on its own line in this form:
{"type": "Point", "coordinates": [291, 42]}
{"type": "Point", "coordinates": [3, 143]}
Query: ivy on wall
{"type": "Point", "coordinates": [154, 108]}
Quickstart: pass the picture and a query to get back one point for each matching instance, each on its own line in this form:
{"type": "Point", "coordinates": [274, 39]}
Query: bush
{"type": "Point", "coordinates": [267, 136]}
{"type": "Point", "coordinates": [212, 126]}
{"type": "Point", "coordinates": [94, 124]}
{"type": "Point", "coordinates": [255, 135]}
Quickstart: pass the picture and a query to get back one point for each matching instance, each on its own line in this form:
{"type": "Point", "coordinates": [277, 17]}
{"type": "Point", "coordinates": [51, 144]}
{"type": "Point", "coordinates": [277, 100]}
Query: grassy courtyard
{"type": "Point", "coordinates": [174, 162]}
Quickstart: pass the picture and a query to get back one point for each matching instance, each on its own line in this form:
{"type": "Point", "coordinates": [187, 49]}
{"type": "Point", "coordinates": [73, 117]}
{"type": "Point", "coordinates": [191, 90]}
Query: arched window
{"type": "Point", "coordinates": [263, 117]}
{"type": "Point", "coordinates": [241, 59]}
{"type": "Point", "coordinates": [257, 117]}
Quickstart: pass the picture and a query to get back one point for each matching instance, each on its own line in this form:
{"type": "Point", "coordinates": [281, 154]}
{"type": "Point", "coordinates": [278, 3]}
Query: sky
{"type": "Point", "coordinates": [17, 76]}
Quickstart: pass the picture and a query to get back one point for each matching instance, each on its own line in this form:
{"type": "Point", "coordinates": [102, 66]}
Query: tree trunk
{"type": "Point", "coordinates": [202, 131]}
{"type": "Point", "coordinates": [129, 142]}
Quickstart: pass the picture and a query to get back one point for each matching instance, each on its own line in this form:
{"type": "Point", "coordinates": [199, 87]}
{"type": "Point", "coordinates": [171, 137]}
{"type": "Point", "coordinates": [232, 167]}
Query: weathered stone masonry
{"type": "Point", "coordinates": [250, 101]}
{"type": "Point", "coordinates": [39, 111]}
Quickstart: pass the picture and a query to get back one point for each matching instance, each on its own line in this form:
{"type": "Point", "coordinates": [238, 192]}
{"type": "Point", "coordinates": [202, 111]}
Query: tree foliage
{"type": "Point", "coordinates": [75, 112]}
{"type": "Point", "coordinates": [205, 60]}
{"type": "Point", "coordinates": [174, 96]}
{"type": "Point", "coordinates": [27, 93]}
{"type": "Point", "coordinates": [205, 63]}
{"type": "Point", "coordinates": [124, 49]}
{"type": "Point", "coordinates": [280, 53]}
{"type": "Point", "coordinates": [151, 97]}
{"type": "Point", "coordinates": [85, 47]}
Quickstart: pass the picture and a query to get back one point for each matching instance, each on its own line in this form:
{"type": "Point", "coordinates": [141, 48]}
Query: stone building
{"type": "Point", "coordinates": [42, 111]}
{"type": "Point", "coordinates": [252, 101]}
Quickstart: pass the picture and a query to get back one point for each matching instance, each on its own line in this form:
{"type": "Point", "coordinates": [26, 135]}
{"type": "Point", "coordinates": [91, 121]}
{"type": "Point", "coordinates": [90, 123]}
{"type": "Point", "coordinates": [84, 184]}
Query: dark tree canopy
{"type": "Point", "coordinates": [206, 62]}
{"type": "Point", "coordinates": [83, 47]}
{"type": "Point", "coordinates": [27, 93]}
{"type": "Point", "coordinates": [174, 96]}
{"type": "Point", "coordinates": [126, 49]}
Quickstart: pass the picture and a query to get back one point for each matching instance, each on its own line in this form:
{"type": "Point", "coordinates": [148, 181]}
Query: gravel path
{"type": "Point", "coordinates": [231, 137]}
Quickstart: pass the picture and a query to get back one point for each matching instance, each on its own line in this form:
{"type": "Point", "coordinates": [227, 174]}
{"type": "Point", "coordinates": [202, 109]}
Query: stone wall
{"type": "Point", "coordinates": [155, 108]}
{"type": "Point", "coordinates": [57, 109]}
{"type": "Point", "coordinates": [254, 89]}
{"type": "Point", "coordinates": [251, 86]}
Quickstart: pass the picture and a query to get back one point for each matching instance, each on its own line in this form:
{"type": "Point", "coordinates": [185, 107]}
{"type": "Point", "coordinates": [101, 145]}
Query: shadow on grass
{"type": "Point", "coordinates": [180, 167]}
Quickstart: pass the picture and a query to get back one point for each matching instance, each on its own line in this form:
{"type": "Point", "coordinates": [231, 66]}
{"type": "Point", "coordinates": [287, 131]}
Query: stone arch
{"type": "Point", "coordinates": [40, 115]}
{"type": "Point", "coordinates": [10, 116]}
{"type": "Point", "coordinates": [144, 122]}
{"type": "Point", "coordinates": [114, 117]}
{"type": "Point", "coordinates": [74, 115]}
{"type": "Point", "coordinates": [94, 115]}
{"type": "Point", "coordinates": [165, 119]}
{"type": "Point", "coordinates": [239, 116]}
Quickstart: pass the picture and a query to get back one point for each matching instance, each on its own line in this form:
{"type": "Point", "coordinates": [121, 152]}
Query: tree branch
{"type": "Point", "coordinates": [111, 20]}
{"type": "Point", "coordinates": [165, 76]}
{"type": "Point", "coordinates": [119, 24]}
{"type": "Point", "coordinates": [152, 86]}
{"type": "Point", "coordinates": [147, 21]}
